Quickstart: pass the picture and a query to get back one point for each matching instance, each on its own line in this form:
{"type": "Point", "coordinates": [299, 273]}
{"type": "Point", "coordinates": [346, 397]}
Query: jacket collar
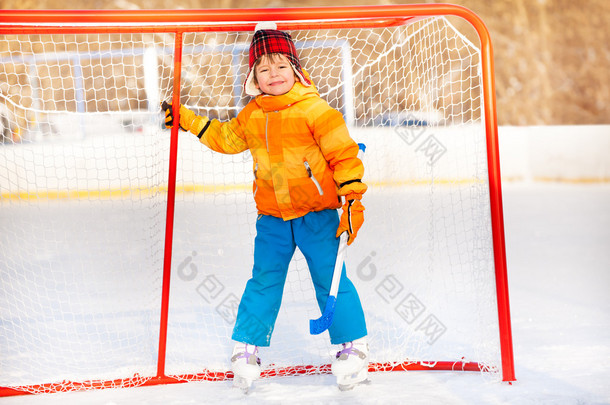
{"type": "Point", "coordinates": [296, 94]}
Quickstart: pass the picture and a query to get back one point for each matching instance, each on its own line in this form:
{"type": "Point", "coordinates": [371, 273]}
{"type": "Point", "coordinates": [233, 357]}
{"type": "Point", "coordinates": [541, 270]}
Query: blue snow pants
{"type": "Point", "coordinates": [274, 245]}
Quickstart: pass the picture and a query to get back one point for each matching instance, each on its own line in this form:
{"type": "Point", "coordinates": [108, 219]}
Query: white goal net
{"type": "Point", "coordinates": [84, 163]}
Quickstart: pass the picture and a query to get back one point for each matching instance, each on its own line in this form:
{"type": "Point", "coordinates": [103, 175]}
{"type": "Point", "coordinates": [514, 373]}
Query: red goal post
{"type": "Point", "coordinates": [180, 22]}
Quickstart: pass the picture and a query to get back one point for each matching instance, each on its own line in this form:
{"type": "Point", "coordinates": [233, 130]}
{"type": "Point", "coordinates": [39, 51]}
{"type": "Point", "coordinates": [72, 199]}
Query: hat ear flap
{"type": "Point", "coordinates": [302, 78]}
{"type": "Point", "coordinates": [250, 88]}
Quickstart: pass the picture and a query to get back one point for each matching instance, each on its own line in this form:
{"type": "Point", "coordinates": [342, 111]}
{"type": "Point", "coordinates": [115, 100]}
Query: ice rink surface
{"type": "Point", "coordinates": [558, 249]}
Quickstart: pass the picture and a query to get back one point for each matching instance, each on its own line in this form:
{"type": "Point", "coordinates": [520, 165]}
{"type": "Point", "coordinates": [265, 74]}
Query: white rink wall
{"type": "Point", "coordinates": [549, 153]}
{"type": "Point", "coordinates": [556, 153]}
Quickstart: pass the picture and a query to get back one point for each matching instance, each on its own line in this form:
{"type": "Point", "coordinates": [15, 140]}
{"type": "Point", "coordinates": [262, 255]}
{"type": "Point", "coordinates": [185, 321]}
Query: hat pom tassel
{"type": "Point", "coordinates": [265, 25]}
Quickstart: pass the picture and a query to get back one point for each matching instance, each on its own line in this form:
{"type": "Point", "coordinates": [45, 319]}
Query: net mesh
{"type": "Point", "coordinates": [83, 191]}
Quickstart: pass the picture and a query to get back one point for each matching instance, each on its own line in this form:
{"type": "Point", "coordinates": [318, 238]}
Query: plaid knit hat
{"type": "Point", "coordinates": [267, 39]}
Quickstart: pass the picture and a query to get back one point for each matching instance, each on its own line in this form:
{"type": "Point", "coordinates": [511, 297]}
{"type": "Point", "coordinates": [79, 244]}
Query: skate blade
{"type": "Point", "coordinates": [244, 384]}
{"type": "Point", "coordinates": [348, 382]}
{"type": "Point", "coordinates": [348, 387]}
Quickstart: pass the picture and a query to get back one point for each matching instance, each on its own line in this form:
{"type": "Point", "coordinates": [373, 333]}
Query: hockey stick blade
{"type": "Point", "coordinates": [317, 326]}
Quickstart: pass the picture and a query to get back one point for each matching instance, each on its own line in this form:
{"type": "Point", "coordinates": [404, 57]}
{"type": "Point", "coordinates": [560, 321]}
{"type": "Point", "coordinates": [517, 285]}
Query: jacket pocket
{"type": "Point", "coordinates": [313, 178]}
{"type": "Point", "coordinates": [255, 178]}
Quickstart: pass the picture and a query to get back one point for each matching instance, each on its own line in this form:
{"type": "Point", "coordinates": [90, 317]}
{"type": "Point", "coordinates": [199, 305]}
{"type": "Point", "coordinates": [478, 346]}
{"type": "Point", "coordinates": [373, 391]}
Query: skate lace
{"type": "Point", "coordinates": [349, 350]}
{"type": "Point", "coordinates": [246, 355]}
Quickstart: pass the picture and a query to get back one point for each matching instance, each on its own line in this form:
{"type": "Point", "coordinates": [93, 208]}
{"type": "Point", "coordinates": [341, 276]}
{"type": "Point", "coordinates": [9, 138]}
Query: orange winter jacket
{"type": "Point", "coordinates": [304, 158]}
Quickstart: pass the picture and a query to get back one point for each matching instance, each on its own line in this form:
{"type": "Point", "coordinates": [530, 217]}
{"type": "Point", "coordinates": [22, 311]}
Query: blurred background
{"type": "Point", "coordinates": [552, 57]}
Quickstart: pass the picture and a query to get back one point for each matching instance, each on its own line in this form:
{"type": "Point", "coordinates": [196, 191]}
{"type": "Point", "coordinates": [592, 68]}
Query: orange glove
{"type": "Point", "coordinates": [169, 115]}
{"type": "Point", "coordinates": [189, 121]}
{"type": "Point", "coordinates": [351, 219]}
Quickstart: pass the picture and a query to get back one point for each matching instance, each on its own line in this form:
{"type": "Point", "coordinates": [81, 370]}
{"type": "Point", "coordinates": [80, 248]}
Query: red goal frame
{"type": "Point", "coordinates": [178, 22]}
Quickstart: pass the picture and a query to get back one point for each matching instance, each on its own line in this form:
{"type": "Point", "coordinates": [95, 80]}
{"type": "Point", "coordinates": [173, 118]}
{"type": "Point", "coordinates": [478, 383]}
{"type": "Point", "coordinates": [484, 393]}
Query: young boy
{"type": "Point", "coordinates": [304, 162]}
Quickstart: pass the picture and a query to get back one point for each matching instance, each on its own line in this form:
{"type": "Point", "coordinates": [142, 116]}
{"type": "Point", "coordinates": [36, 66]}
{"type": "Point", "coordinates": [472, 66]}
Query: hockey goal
{"type": "Point", "coordinates": [125, 247]}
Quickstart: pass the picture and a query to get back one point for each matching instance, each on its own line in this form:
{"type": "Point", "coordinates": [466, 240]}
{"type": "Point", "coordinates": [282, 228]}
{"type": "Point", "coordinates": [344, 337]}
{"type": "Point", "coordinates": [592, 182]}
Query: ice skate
{"type": "Point", "coordinates": [246, 366]}
{"type": "Point", "coordinates": [350, 366]}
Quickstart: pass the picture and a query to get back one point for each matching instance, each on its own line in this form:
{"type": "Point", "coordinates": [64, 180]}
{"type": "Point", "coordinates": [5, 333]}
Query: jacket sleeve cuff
{"type": "Point", "coordinates": [355, 187]}
{"type": "Point", "coordinates": [199, 125]}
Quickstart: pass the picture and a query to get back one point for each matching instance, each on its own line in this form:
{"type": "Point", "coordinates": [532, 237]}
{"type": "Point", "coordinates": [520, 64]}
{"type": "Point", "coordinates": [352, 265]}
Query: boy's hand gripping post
{"type": "Point", "coordinates": [188, 121]}
{"type": "Point", "coordinates": [317, 326]}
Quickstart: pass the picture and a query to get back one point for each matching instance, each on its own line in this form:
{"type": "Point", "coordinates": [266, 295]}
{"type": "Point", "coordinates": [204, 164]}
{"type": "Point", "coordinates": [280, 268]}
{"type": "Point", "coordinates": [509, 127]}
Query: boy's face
{"type": "Point", "coordinates": [274, 76]}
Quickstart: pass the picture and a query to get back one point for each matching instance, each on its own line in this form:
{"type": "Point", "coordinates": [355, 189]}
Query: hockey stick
{"type": "Point", "coordinates": [317, 326]}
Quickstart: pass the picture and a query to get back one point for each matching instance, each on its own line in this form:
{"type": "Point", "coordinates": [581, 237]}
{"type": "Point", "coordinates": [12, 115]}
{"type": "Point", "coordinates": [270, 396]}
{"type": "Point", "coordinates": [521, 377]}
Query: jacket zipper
{"type": "Point", "coordinates": [313, 178]}
{"type": "Point", "coordinates": [266, 135]}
